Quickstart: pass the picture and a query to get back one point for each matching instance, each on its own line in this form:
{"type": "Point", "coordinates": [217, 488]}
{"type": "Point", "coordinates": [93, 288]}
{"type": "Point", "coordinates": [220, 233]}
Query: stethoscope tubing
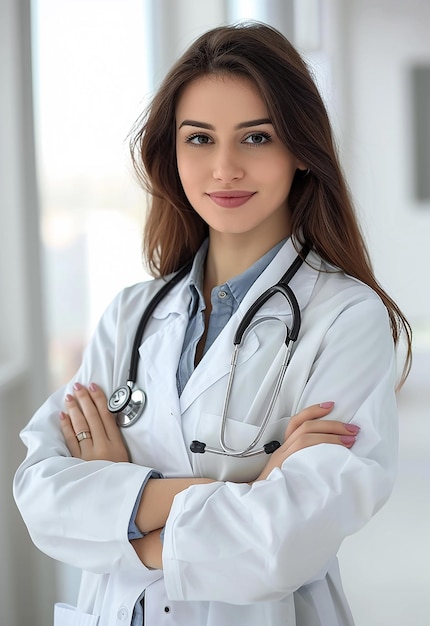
{"type": "Point", "coordinates": [131, 413]}
{"type": "Point", "coordinates": [168, 286]}
{"type": "Point", "coordinates": [165, 289]}
{"type": "Point", "coordinates": [243, 329]}
{"type": "Point", "coordinates": [249, 450]}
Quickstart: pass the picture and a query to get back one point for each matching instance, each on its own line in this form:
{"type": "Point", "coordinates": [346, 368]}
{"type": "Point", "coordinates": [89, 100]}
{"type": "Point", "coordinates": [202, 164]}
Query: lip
{"type": "Point", "coordinates": [231, 198]}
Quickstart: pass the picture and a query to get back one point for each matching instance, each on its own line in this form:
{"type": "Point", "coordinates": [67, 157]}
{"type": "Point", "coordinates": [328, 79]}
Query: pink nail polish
{"type": "Point", "coordinates": [352, 428]}
{"type": "Point", "coordinates": [77, 386]}
{"type": "Point", "coordinates": [348, 440]}
{"type": "Point", "coordinates": [93, 387]}
{"type": "Point", "coordinates": [69, 398]}
{"type": "Point", "coordinates": [62, 415]}
{"type": "Point", "coordinates": [326, 405]}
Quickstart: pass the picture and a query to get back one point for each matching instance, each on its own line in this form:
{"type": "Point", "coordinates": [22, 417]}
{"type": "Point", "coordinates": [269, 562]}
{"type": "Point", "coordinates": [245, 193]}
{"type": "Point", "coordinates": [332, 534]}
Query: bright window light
{"type": "Point", "coordinates": [90, 85]}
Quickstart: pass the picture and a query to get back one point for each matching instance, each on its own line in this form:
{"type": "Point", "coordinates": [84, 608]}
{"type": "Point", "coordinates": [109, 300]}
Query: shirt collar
{"type": "Point", "coordinates": [238, 285]}
{"type": "Point", "coordinates": [195, 280]}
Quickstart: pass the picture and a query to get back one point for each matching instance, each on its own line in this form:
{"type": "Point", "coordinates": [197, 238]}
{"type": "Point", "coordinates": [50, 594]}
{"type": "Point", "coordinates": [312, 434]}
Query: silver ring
{"type": "Point", "coordinates": [84, 434]}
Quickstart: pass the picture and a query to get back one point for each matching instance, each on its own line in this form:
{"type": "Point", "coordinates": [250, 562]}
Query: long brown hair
{"type": "Point", "coordinates": [322, 214]}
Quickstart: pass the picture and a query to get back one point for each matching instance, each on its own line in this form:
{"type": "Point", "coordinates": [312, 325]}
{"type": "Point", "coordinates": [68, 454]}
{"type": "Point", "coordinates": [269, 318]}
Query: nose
{"type": "Point", "coordinates": [227, 166]}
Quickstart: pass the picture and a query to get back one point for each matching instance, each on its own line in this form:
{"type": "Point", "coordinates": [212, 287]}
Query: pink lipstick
{"type": "Point", "coordinates": [230, 199]}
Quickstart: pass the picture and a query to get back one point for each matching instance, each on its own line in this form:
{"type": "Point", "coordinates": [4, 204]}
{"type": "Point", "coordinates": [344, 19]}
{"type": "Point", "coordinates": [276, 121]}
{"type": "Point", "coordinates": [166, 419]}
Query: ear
{"type": "Point", "coordinates": [303, 169]}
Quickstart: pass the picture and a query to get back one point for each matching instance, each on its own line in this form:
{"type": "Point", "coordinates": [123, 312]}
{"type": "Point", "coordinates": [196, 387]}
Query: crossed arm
{"type": "Point", "coordinates": [87, 412]}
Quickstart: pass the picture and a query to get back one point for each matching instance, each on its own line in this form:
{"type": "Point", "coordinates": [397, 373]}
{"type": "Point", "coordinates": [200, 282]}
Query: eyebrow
{"type": "Point", "coordinates": [264, 120]}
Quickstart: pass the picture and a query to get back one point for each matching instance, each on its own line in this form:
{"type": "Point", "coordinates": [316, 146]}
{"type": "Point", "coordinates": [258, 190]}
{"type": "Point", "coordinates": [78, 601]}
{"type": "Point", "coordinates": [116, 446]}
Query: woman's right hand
{"type": "Point", "coordinates": [88, 414]}
{"type": "Point", "coordinates": [307, 429]}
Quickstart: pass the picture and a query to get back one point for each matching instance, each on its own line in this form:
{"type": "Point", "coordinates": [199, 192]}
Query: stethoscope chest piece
{"type": "Point", "coordinates": [128, 404]}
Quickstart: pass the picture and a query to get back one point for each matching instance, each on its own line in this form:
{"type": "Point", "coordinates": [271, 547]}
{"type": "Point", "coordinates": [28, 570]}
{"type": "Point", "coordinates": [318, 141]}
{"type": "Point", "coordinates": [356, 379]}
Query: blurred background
{"type": "Point", "coordinates": [74, 76]}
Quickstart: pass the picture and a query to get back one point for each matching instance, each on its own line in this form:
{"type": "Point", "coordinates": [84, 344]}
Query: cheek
{"type": "Point", "coordinates": [188, 180]}
{"type": "Point", "coordinates": [278, 179]}
{"type": "Point", "coordinates": [183, 172]}
{"type": "Point", "coordinates": [189, 171]}
{"type": "Point", "coordinates": [183, 163]}
{"type": "Point", "coordinates": [283, 174]}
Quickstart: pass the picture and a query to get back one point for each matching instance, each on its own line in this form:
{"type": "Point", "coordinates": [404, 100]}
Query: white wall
{"type": "Point", "coordinates": [383, 39]}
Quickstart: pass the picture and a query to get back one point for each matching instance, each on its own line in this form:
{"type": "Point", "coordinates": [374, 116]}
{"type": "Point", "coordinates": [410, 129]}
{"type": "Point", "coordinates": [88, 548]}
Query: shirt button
{"type": "Point", "coordinates": [122, 613]}
{"type": "Point", "coordinates": [222, 294]}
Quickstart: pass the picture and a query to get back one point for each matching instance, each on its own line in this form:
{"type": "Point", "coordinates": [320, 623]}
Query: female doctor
{"type": "Point", "coordinates": [237, 153]}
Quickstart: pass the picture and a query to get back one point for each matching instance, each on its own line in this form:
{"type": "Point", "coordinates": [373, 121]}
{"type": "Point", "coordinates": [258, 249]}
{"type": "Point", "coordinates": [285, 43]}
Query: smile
{"type": "Point", "coordinates": [231, 199]}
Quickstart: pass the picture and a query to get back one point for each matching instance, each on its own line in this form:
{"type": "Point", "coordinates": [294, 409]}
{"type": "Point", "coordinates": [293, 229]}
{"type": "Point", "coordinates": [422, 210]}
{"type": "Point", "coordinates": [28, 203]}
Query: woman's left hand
{"type": "Point", "coordinates": [307, 429]}
{"type": "Point", "coordinates": [89, 428]}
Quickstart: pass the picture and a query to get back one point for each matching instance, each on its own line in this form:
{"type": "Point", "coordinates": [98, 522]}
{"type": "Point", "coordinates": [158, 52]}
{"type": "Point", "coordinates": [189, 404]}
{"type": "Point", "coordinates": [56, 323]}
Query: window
{"type": "Point", "coordinates": [89, 87]}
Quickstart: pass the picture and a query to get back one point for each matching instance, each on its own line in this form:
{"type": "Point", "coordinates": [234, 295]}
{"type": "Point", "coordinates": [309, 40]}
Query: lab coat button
{"type": "Point", "coordinates": [122, 613]}
{"type": "Point", "coordinates": [167, 609]}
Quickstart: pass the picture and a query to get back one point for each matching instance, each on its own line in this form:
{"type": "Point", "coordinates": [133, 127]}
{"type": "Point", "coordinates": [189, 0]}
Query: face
{"type": "Point", "coordinates": [235, 171]}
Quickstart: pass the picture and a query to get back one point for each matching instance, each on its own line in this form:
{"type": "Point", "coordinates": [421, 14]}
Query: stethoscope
{"type": "Point", "coordinates": [128, 402]}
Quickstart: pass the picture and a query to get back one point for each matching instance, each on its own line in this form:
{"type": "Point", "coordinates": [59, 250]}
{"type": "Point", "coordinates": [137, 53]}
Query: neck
{"type": "Point", "coordinates": [229, 256]}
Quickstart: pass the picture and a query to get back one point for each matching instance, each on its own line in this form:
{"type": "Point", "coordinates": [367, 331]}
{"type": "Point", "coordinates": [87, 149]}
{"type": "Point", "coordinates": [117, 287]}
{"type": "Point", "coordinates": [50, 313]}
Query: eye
{"type": "Point", "coordinates": [257, 139]}
{"type": "Point", "coordinates": [198, 139]}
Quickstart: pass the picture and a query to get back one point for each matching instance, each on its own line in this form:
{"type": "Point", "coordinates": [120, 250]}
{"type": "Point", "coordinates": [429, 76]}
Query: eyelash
{"type": "Point", "coordinates": [266, 136]}
{"type": "Point", "coordinates": [195, 136]}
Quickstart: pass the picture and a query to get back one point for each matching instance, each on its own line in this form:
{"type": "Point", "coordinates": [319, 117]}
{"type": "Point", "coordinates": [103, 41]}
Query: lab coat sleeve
{"type": "Point", "coordinates": [242, 544]}
{"type": "Point", "coordinates": [78, 511]}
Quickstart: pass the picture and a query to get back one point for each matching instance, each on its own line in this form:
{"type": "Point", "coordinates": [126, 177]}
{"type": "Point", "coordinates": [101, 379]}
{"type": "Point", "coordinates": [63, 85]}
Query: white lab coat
{"type": "Point", "coordinates": [233, 553]}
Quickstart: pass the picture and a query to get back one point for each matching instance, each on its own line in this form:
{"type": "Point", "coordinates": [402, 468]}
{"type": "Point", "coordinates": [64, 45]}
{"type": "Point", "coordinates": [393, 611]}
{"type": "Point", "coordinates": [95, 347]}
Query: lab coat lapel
{"type": "Point", "coordinates": [216, 362]}
{"type": "Point", "coordinates": [164, 337]}
{"type": "Point", "coordinates": [302, 283]}
{"type": "Point", "coordinates": [159, 355]}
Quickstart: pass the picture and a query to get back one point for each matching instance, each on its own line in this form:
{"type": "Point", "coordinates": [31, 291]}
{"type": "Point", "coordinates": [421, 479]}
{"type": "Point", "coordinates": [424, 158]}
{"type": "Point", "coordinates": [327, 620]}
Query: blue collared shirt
{"type": "Point", "coordinates": [225, 300]}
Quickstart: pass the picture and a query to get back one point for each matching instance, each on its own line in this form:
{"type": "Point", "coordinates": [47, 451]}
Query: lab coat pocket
{"type": "Point", "coordinates": [67, 615]}
{"type": "Point", "coordinates": [238, 435]}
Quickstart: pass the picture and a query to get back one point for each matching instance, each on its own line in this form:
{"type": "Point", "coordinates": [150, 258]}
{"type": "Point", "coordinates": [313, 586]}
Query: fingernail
{"type": "Point", "coordinates": [326, 405]}
{"type": "Point", "coordinates": [62, 415]}
{"type": "Point", "coordinates": [352, 428]}
{"type": "Point", "coordinates": [77, 386]}
{"type": "Point", "coordinates": [69, 398]}
{"type": "Point", "coordinates": [93, 387]}
{"type": "Point", "coordinates": [348, 440]}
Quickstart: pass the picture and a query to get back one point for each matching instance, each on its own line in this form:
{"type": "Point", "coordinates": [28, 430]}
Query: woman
{"type": "Point", "coordinates": [237, 153]}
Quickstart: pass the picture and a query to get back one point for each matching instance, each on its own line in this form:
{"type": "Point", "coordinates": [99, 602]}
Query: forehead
{"type": "Point", "coordinates": [217, 97]}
